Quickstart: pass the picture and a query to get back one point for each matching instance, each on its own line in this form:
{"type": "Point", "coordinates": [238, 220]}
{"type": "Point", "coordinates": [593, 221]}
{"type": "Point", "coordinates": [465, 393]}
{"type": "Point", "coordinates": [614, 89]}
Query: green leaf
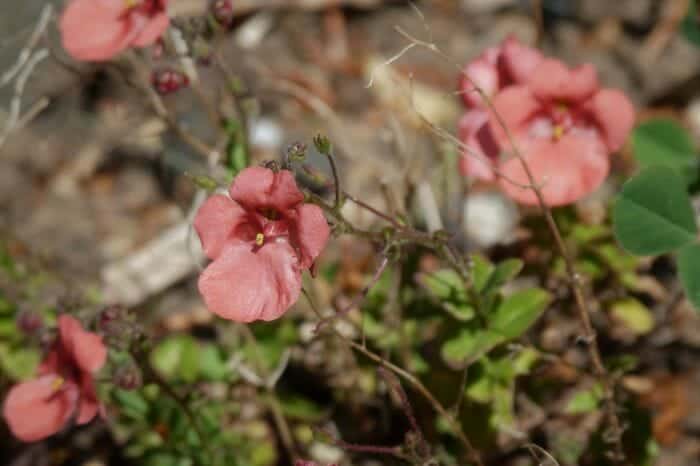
{"type": "Point", "coordinates": [177, 356]}
{"type": "Point", "coordinates": [691, 24]}
{"type": "Point", "coordinates": [447, 286]}
{"type": "Point", "coordinates": [585, 401]}
{"type": "Point", "coordinates": [469, 344]}
{"type": "Point", "coordinates": [525, 361]}
{"type": "Point", "coordinates": [211, 364]}
{"type": "Point", "coordinates": [481, 272]}
{"type": "Point", "coordinates": [633, 315]}
{"type": "Point", "coordinates": [689, 272]}
{"type": "Point", "coordinates": [301, 408]}
{"type": "Point", "coordinates": [502, 274]}
{"type": "Point", "coordinates": [19, 363]}
{"type": "Point", "coordinates": [652, 214]}
{"type": "Point", "coordinates": [131, 403]}
{"type": "Point", "coordinates": [518, 312]}
{"type": "Point", "coordinates": [664, 142]}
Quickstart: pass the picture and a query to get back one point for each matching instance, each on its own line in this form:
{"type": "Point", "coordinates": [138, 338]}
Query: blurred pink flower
{"type": "Point", "coordinates": [64, 389]}
{"type": "Point", "coordinates": [496, 68]}
{"type": "Point", "coordinates": [565, 126]}
{"type": "Point", "coordinates": [96, 30]}
{"type": "Point", "coordinates": [260, 239]}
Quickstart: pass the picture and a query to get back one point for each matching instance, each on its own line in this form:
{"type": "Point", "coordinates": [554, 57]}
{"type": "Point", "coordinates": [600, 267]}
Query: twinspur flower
{"type": "Point", "coordinates": [260, 239]}
{"type": "Point", "coordinates": [64, 389]}
{"type": "Point", "coordinates": [563, 123]}
{"type": "Point", "coordinates": [495, 69]}
{"type": "Point", "coordinates": [97, 30]}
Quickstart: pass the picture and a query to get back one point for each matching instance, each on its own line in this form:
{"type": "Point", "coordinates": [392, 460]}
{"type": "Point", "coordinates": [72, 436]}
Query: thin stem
{"type": "Point", "coordinates": [395, 385]}
{"type": "Point", "coordinates": [472, 453]}
{"type": "Point", "coordinates": [574, 279]}
{"type": "Point", "coordinates": [273, 402]}
{"type": "Point", "coordinates": [155, 377]}
{"type": "Point", "coordinates": [360, 296]}
{"type": "Point", "coordinates": [376, 449]}
{"type": "Point", "coordinates": [336, 180]}
{"type": "Point", "coordinates": [376, 212]}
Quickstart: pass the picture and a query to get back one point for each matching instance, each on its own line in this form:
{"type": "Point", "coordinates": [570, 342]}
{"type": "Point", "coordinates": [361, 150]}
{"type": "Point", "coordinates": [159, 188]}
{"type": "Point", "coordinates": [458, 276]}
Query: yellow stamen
{"type": "Point", "coordinates": [557, 132]}
{"type": "Point", "coordinates": [58, 383]}
{"type": "Point", "coordinates": [259, 239]}
{"type": "Point", "coordinates": [131, 3]}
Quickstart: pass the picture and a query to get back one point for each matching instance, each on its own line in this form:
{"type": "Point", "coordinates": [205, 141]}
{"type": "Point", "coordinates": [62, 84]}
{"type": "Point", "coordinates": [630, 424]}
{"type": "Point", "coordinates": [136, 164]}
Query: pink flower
{"type": "Point", "coordinates": [565, 126]}
{"type": "Point", "coordinates": [495, 69]}
{"type": "Point", "coordinates": [96, 30]}
{"type": "Point", "coordinates": [64, 389]}
{"type": "Point", "coordinates": [260, 239]}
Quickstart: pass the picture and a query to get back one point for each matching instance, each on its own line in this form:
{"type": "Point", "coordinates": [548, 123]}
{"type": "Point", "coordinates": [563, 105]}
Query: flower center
{"type": "Point", "coordinates": [259, 239]}
{"type": "Point", "coordinates": [557, 132]}
{"type": "Point", "coordinates": [58, 383]}
{"type": "Point", "coordinates": [131, 3]}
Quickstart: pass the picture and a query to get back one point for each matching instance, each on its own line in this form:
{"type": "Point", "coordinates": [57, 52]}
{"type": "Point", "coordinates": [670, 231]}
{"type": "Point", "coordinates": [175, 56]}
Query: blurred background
{"type": "Point", "coordinates": [97, 192]}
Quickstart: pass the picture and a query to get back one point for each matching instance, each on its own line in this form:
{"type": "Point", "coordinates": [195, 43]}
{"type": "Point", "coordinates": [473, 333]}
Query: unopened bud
{"type": "Point", "coordinates": [323, 144]}
{"type": "Point", "coordinates": [128, 377]}
{"type": "Point", "coordinates": [167, 81]}
{"type": "Point", "coordinates": [29, 322]}
{"type": "Point", "coordinates": [296, 152]}
{"type": "Point", "coordinates": [222, 10]}
{"type": "Point", "coordinates": [109, 318]}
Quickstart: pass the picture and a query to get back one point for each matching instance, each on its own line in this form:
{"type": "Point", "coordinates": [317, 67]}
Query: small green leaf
{"type": "Point", "coordinates": [691, 24]}
{"type": "Point", "coordinates": [177, 356]}
{"type": "Point", "coordinates": [518, 312]}
{"type": "Point", "coordinates": [468, 345]}
{"type": "Point", "coordinates": [481, 272]}
{"type": "Point", "coordinates": [633, 315]}
{"type": "Point", "coordinates": [653, 214]}
{"type": "Point", "coordinates": [502, 274]}
{"type": "Point", "coordinates": [447, 286]}
{"type": "Point", "coordinates": [689, 272]}
{"type": "Point", "coordinates": [525, 361]}
{"type": "Point", "coordinates": [300, 408]}
{"type": "Point", "coordinates": [20, 363]}
{"type": "Point", "coordinates": [664, 142]}
{"type": "Point", "coordinates": [211, 364]}
{"type": "Point", "coordinates": [585, 401]}
{"type": "Point", "coordinates": [131, 403]}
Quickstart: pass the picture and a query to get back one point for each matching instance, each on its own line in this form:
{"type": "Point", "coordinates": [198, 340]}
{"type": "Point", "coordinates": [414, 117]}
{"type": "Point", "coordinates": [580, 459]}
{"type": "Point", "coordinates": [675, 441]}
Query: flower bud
{"type": "Point", "coordinates": [222, 10]}
{"type": "Point", "coordinates": [167, 81]}
{"type": "Point", "coordinates": [323, 144]}
{"type": "Point", "coordinates": [29, 322]}
{"type": "Point", "coordinates": [296, 152]}
{"type": "Point", "coordinates": [128, 377]}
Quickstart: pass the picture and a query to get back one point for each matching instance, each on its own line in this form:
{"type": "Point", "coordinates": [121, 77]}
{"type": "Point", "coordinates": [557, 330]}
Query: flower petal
{"type": "Point", "coordinates": [89, 406]}
{"type": "Point", "coordinates": [37, 409]}
{"type": "Point", "coordinates": [258, 188]}
{"type": "Point", "coordinates": [481, 72]}
{"type": "Point", "coordinates": [516, 106]}
{"type": "Point", "coordinates": [615, 116]}
{"type": "Point", "coordinates": [310, 233]}
{"type": "Point", "coordinates": [475, 133]}
{"type": "Point", "coordinates": [518, 61]}
{"type": "Point", "coordinates": [244, 286]}
{"type": "Point", "coordinates": [85, 347]}
{"type": "Point", "coordinates": [216, 222]}
{"type": "Point", "coordinates": [154, 28]}
{"type": "Point", "coordinates": [566, 170]}
{"type": "Point", "coordinates": [553, 80]}
{"type": "Point", "coordinates": [95, 30]}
